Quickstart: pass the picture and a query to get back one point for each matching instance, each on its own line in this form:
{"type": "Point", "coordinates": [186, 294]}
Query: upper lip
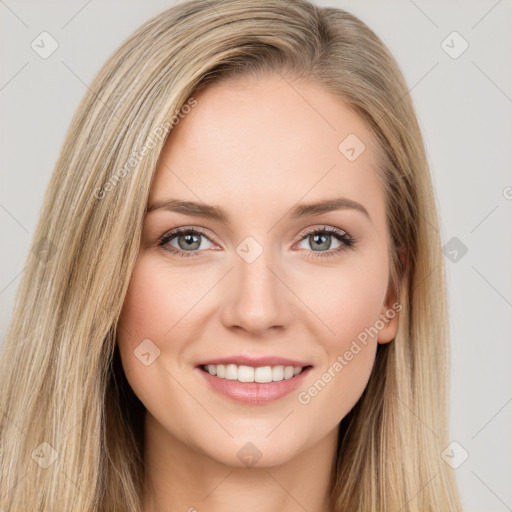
{"type": "Point", "coordinates": [255, 361]}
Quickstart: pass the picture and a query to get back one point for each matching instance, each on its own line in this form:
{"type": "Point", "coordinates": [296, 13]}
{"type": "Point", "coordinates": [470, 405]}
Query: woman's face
{"type": "Point", "coordinates": [252, 285]}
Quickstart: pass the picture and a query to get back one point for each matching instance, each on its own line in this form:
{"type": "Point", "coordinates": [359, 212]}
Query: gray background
{"type": "Point", "coordinates": [464, 106]}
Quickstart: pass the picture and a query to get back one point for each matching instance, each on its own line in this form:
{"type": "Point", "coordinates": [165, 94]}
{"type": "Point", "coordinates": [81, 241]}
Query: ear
{"type": "Point", "coordinates": [391, 307]}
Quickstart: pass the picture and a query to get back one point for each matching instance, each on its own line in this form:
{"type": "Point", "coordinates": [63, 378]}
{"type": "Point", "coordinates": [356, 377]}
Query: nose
{"type": "Point", "coordinates": [256, 299]}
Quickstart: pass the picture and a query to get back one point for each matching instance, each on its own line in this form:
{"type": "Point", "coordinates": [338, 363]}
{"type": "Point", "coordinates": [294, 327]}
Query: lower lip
{"type": "Point", "coordinates": [254, 392]}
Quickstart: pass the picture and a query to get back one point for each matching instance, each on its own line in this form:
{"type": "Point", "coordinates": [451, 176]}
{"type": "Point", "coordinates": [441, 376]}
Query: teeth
{"type": "Point", "coordinates": [250, 374]}
{"type": "Point", "coordinates": [288, 372]}
{"type": "Point", "coordinates": [245, 374]}
{"type": "Point", "coordinates": [263, 374]}
{"type": "Point", "coordinates": [231, 372]}
{"type": "Point", "coordinates": [278, 373]}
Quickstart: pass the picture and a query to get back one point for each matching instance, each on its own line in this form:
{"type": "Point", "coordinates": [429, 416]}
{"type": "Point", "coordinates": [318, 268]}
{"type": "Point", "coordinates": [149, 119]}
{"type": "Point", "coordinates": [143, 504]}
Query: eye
{"type": "Point", "coordinates": [184, 242]}
{"type": "Point", "coordinates": [320, 241]}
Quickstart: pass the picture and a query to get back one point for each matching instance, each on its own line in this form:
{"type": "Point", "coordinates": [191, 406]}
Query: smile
{"type": "Point", "coordinates": [253, 385]}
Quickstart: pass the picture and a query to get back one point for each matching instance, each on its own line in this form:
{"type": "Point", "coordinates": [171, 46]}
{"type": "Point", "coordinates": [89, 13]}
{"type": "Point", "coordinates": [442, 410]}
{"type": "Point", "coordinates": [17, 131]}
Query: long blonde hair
{"type": "Point", "coordinates": [71, 432]}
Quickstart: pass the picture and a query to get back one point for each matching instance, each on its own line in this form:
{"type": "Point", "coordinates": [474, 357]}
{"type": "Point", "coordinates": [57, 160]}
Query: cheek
{"type": "Point", "coordinates": [358, 305]}
{"type": "Point", "coordinates": [158, 298]}
{"type": "Point", "coordinates": [349, 298]}
{"type": "Point", "coordinates": [155, 308]}
{"type": "Point", "coordinates": [149, 311]}
{"type": "Point", "coordinates": [350, 306]}
{"type": "Point", "coordinates": [162, 304]}
{"type": "Point", "coordinates": [144, 304]}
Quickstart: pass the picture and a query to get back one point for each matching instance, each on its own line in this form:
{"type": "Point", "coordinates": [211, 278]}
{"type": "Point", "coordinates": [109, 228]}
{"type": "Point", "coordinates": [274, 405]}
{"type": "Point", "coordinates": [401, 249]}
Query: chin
{"type": "Point", "coordinates": [255, 451]}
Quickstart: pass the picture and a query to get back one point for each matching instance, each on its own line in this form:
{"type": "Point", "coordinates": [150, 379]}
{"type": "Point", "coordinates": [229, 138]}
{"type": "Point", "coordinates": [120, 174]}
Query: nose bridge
{"type": "Point", "coordinates": [256, 299]}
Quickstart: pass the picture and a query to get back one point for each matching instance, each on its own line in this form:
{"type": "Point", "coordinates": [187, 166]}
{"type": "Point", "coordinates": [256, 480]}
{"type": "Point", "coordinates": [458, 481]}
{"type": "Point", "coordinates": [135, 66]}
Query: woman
{"type": "Point", "coordinates": [235, 294]}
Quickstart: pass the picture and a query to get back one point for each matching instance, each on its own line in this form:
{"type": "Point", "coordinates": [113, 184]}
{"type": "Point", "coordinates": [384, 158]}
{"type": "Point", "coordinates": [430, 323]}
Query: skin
{"type": "Point", "coordinates": [256, 148]}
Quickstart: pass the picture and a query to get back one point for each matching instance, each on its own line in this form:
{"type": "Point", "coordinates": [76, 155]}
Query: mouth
{"type": "Point", "coordinates": [253, 385]}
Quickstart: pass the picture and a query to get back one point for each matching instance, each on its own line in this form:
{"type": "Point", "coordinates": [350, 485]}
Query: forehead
{"type": "Point", "coordinates": [262, 145]}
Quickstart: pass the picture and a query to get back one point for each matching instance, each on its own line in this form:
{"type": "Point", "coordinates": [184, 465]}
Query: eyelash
{"type": "Point", "coordinates": [347, 241]}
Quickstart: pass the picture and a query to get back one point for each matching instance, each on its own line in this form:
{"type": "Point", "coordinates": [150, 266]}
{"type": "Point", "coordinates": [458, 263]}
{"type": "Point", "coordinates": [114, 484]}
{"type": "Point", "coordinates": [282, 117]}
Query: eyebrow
{"type": "Point", "coordinates": [218, 213]}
